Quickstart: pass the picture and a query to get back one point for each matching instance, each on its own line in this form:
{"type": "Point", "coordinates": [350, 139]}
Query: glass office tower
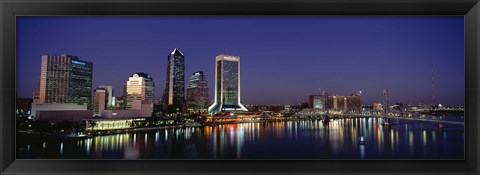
{"type": "Point", "coordinates": [227, 85]}
{"type": "Point", "coordinates": [197, 94]}
{"type": "Point", "coordinates": [65, 79]}
{"type": "Point", "coordinates": [174, 94]}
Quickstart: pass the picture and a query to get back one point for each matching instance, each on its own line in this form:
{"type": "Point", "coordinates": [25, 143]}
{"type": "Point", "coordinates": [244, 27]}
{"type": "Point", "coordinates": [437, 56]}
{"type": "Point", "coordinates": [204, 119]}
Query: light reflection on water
{"type": "Point", "coordinates": [309, 139]}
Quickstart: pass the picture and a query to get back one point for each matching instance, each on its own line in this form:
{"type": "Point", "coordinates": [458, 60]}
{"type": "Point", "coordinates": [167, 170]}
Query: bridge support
{"type": "Point", "coordinates": [385, 108]}
{"type": "Point", "coordinates": [325, 119]}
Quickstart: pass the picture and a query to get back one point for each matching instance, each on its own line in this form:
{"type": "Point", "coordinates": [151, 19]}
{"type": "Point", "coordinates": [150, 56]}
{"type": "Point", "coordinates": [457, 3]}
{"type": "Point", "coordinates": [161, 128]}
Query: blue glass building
{"type": "Point", "coordinates": [174, 93]}
{"type": "Point", "coordinates": [65, 79]}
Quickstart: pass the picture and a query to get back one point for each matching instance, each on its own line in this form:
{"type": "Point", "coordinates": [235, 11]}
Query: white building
{"type": "Point", "coordinates": [139, 87]}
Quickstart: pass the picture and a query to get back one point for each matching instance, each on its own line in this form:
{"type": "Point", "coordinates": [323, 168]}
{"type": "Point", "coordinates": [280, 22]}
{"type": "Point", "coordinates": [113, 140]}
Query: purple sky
{"type": "Point", "coordinates": [283, 59]}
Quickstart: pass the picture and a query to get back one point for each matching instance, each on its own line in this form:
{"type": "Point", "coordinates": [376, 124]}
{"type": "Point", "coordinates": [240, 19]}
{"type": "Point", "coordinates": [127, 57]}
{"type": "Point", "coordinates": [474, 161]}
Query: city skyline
{"type": "Point", "coordinates": [397, 53]}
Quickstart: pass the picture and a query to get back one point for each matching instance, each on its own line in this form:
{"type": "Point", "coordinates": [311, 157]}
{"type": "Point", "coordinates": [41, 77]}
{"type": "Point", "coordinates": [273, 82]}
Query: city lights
{"type": "Point", "coordinates": [274, 96]}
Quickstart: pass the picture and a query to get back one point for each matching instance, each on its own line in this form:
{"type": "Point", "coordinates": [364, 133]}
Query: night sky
{"type": "Point", "coordinates": [283, 59]}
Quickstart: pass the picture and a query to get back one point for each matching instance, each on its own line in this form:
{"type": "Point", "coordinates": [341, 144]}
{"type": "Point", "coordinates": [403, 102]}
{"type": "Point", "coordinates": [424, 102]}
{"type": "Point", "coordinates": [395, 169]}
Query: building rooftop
{"type": "Point", "coordinates": [141, 74]}
{"type": "Point", "coordinates": [176, 51]}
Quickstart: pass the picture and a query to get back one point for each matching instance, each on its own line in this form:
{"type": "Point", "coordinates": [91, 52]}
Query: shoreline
{"type": "Point", "coordinates": [90, 134]}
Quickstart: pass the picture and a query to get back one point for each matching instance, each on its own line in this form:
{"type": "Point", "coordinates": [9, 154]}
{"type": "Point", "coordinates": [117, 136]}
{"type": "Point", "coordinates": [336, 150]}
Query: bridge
{"type": "Point", "coordinates": [401, 115]}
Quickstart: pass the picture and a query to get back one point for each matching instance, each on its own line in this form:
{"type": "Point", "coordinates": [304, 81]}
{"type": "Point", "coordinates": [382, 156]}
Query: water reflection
{"type": "Point", "coordinates": [309, 139]}
{"type": "Point", "coordinates": [61, 148]}
{"type": "Point", "coordinates": [362, 151]}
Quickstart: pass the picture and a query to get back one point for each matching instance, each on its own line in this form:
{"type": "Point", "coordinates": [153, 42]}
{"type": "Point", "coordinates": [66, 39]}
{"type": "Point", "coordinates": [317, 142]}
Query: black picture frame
{"type": "Point", "coordinates": [11, 8]}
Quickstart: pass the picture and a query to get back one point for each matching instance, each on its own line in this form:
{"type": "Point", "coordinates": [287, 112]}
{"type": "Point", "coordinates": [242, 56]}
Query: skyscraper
{"type": "Point", "coordinates": [100, 97]}
{"type": "Point", "coordinates": [139, 87]}
{"type": "Point", "coordinates": [65, 79]}
{"type": "Point", "coordinates": [227, 85]}
{"type": "Point", "coordinates": [197, 93]}
{"type": "Point", "coordinates": [174, 94]}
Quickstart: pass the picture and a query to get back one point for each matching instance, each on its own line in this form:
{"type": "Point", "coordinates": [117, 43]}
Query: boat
{"type": "Point", "coordinates": [74, 136]}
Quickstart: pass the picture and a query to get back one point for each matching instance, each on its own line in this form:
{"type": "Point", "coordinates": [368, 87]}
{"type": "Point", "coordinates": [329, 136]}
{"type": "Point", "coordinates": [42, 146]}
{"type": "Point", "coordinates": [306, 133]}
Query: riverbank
{"type": "Point", "coordinates": [89, 134]}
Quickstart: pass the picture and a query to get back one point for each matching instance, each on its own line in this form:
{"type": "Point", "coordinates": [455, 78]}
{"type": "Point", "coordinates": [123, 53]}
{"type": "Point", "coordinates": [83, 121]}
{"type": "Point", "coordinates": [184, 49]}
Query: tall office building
{"type": "Point", "coordinates": [174, 94]}
{"type": "Point", "coordinates": [100, 100]}
{"type": "Point", "coordinates": [110, 98]}
{"type": "Point", "coordinates": [197, 93]}
{"type": "Point", "coordinates": [139, 87]}
{"type": "Point", "coordinates": [65, 79]}
{"type": "Point", "coordinates": [227, 85]}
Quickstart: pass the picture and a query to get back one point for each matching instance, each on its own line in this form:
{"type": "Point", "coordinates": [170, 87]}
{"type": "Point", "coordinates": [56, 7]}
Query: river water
{"type": "Point", "coordinates": [306, 139]}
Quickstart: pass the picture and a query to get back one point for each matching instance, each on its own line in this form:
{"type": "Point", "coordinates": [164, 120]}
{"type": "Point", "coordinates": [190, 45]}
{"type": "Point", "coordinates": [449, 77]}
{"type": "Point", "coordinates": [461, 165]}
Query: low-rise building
{"type": "Point", "coordinates": [100, 124]}
{"type": "Point", "coordinates": [120, 113]}
{"type": "Point", "coordinates": [63, 116]}
{"type": "Point", "coordinates": [144, 107]}
{"type": "Point", "coordinates": [140, 108]}
{"type": "Point", "coordinates": [59, 112]}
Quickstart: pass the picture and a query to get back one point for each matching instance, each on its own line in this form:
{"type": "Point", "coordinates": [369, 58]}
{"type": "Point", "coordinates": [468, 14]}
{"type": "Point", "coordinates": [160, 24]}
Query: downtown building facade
{"type": "Point", "coordinates": [197, 94]}
{"type": "Point", "coordinates": [315, 102]}
{"type": "Point", "coordinates": [61, 112]}
{"type": "Point", "coordinates": [350, 102]}
{"type": "Point", "coordinates": [139, 87]}
{"type": "Point", "coordinates": [100, 100]}
{"type": "Point", "coordinates": [173, 100]}
{"type": "Point", "coordinates": [110, 99]}
{"type": "Point", "coordinates": [65, 79]}
{"type": "Point", "coordinates": [227, 85]}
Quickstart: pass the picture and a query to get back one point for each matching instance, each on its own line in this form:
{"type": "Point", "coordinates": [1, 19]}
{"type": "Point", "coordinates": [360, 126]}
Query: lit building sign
{"type": "Point", "coordinates": [78, 62]}
{"type": "Point", "coordinates": [230, 58]}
